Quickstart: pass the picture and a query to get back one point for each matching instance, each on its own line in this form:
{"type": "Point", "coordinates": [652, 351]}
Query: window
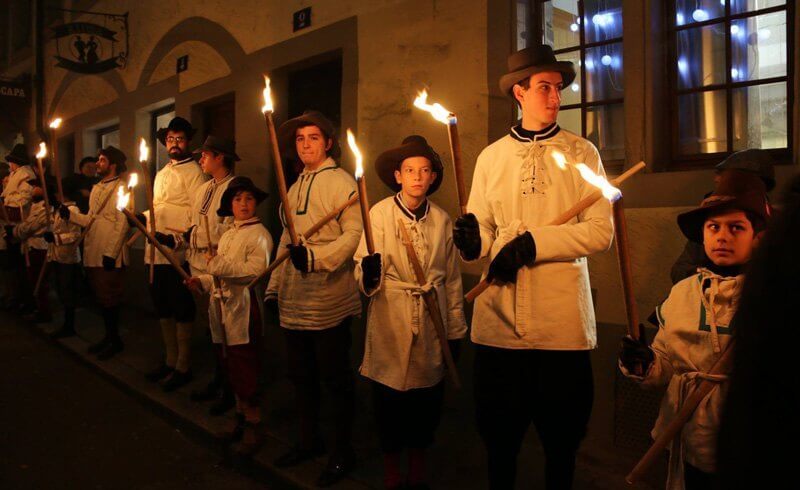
{"type": "Point", "coordinates": [589, 34]}
{"type": "Point", "coordinates": [730, 77]}
{"type": "Point", "coordinates": [108, 136]}
{"type": "Point", "coordinates": [160, 119]}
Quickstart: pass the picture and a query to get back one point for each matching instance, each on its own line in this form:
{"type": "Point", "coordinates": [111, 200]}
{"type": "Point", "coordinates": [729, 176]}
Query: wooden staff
{"type": "Point", "coordinates": [148, 187]}
{"type": "Point", "coordinates": [282, 256]}
{"type": "Point", "coordinates": [152, 239]}
{"type": "Point", "coordinates": [135, 236]}
{"type": "Point", "coordinates": [281, 178]}
{"type": "Point", "coordinates": [43, 269]}
{"type": "Point", "coordinates": [365, 219]}
{"type": "Point", "coordinates": [566, 217]}
{"type": "Point", "coordinates": [433, 306]}
{"type": "Point", "coordinates": [723, 366]}
{"type": "Point", "coordinates": [56, 166]}
{"type": "Point", "coordinates": [458, 170]}
{"type": "Point", "coordinates": [217, 287]}
{"type": "Point", "coordinates": [626, 273]}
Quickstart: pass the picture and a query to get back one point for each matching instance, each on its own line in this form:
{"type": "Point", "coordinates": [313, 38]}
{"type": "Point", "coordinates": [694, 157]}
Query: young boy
{"type": "Point", "coordinates": [402, 355]}
{"type": "Point", "coordinates": [696, 322]}
{"type": "Point", "coordinates": [64, 256]}
{"type": "Point", "coordinates": [243, 254]}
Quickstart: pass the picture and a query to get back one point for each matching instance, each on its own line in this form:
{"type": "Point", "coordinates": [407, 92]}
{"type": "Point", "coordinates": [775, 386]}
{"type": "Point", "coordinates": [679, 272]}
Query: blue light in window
{"type": "Point", "coordinates": [734, 73]}
{"type": "Point", "coordinates": [700, 15]}
{"type": "Point", "coordinates": [679, 19]}
{"type": "Point", "coordinates": [734, 29]}
{"type": "Point", "coordinates": [575, 87]}
{"type": "Point", "coordinates": [603, 19]}
{"type": "Point", "coordinates": [683, 66]}
{"type": "Point", "coordinates": [764, 34]}
{"type": "Point", "coordinates": [589, 64]}
{"type": "Point", "coordinates": [573, 27]}
{"type": "Point", "coordinates": [606, 60]}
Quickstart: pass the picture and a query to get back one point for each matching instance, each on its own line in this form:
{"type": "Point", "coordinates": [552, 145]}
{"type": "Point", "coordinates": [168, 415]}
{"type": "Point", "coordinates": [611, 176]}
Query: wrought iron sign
{"type": "Point", "coordinates": [92, 47]}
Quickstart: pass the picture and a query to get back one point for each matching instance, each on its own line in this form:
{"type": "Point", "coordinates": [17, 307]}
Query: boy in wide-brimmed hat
{"type": "Point", "coordinates": [243, 254]}
{"type": "Point", "coordinates": [402, 355]}
{"type": "Point", "coordinates": [696, 322]}
{"type": "Point", "coordinates": [535, 327]}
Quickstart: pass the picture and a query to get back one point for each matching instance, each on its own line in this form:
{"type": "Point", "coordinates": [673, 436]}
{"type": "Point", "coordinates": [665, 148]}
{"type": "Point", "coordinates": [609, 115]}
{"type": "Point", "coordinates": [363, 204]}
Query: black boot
{"type": "Point", "coordinates": [68, 328]}
{"type": "Point", "coordinates": [225, 402]}
{"type": "Point", "coordinates": [161, 372]}
{"type": "Point", "coordinates": [211, 392]}
{"type": "Point", "coordinates": [115, 345]}
{"type": "Point", "coordinates": [176, 380]}
{"type": "Point", "coordinates": [235, 434]}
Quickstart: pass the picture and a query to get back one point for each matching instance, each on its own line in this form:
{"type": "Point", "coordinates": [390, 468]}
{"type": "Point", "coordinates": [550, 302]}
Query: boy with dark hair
{"type": "Point", "coordinates": [402, 355]}
{"type": "Point", "coordinates": [696, 323]}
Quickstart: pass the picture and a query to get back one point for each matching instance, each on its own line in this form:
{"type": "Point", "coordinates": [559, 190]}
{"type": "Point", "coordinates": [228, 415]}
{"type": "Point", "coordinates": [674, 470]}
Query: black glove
{"type": "Point", "coordinates": [109, 263]}
{"type": "Point", "coordinates": [467, 236]}
{"type": "Point", "coordinates": [9, 229]}
{"type": "Point", "coordinates": [518, 252]}
{"type": "Point", "coordinates": [49, 237]}
{"type": "Point", "coordinates": [64, 212]}
{"type": "Point", "coordinates": [371, 271]}
{"type": "Point", "coordinates": [635, 353]}
{"type": "Point", "coordinates": [271, 305]}
{"type": "Point", "coordinates": [140, 217]}
{"type": "Point", "coordinates": [299, 256]}
{"type": "Point", "coordinates": [455, 349]}
{"type": "Point", "coordinates": [165, 239]}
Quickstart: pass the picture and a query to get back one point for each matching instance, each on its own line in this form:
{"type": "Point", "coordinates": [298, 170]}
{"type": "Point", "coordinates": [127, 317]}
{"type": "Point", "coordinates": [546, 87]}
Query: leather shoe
{"type": "Point", "coordinates": [176, 380]}
{"type": "Point", "coordinates": [225, 403]}
{"type": "Point", "coordinates": [159, 373]}
{"type": "Point", "coordinates": [338, 468]}
{"type": "Point", "coordinates": [112, 349]}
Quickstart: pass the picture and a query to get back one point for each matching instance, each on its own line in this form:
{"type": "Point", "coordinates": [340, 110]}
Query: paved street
{"type": "Point", "coordinates": [64, 426]}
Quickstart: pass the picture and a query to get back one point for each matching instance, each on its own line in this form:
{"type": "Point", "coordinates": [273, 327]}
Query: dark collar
{"type": "Point", "coordinates": [521, 134]}
{"type": "Point", "coordinates": [417, 214]}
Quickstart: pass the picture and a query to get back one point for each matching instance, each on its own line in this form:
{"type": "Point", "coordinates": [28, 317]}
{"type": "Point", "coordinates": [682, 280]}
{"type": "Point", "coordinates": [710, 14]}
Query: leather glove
{"type": "Point", "coordinates": [299, 256]}
{"type": "Point", "coordinates": [140, 217]}
{"type": "Point", "coordinates": [49, 237]}
{"type": "Point", "coordinates": [109, 263]}
{"type": "Point", "coordinates": [467, 236]}
{"type": "Point", "coordinates": [521, 251]}
{"type": "Point", "coordinates": [371, 271]}
{"type": "Point", "coordinates": [64, 212]}
{"type": "Point", "coordinates": [635, 353]}
{"type": "Point", "coordinates": [165, 239]}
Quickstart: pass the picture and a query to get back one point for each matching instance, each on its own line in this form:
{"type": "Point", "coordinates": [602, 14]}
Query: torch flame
{"type": "Point", "coordinates": [436, 110]}
{"type": "Point", "coordinates": [133, 180]}
{"type": "Point", "coordinates": [122, 198]}
{"type": "Point", "coordinates": [144, 151]}
{"type": "Point", "coordinates": [42, 151]}
{"type": "Point", "coordinates": [351, 142]}
{"type": "Point", "coordinates": [268, 107]}
{"type": "Point", "coordinates": [55, 123]}
{"type": "Point", "coordinates": [609, 191]}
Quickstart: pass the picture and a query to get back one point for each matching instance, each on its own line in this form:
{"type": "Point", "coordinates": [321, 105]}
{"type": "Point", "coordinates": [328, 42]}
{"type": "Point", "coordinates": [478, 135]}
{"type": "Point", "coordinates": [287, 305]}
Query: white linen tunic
{"type": "Point", "coordinates": [17, 192]}
{"type": "Point", "coordinates": [32, 228]}
{"type": "Point", "coordinates": [174, 187]}
{"type": "Point", "coordinates": [108, 233]}
{"type": "Point", "coordinates": [402, 349]}
{"type": "Point", "coordinates": [328, 294]}
{"type": "Point", "coordinates": [65, 250]}
{"type": "Point", "coordinates": [519, 187]}
{"type": "Point", "coordinates": [205, 203]}
{"type": "Point", "coordinates": [244, 252]}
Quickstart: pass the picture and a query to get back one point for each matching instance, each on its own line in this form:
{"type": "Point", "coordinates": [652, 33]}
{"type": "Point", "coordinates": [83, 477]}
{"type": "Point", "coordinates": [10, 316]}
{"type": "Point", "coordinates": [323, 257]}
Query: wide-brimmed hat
{"type": "Point", "coordinates": [177, 124]}
{"type": "Point", "coordinates": [18, 155]}
{"type": "Point", "coordinates": [115, 156]}
{"type": "Point", "coordinates": [752, 160]}
{"type": "Point", "coordinates": [536, 59]}
{"type": "Point", "coordinates": [238, 184]}
{"type": "Point", "coordinates": [736, 189]}
{"type": "Point", "coordinates": [219, 145]}
{"type": "Point", "coordinates": [288, 130]}
{"type": "Point", "coordinates": [412, 146]}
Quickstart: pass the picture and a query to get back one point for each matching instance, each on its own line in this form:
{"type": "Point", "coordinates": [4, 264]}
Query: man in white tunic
{"type": "Point", "coordinates": [534, 328]}
{"type": "Point", "coordinates": [16, 195]}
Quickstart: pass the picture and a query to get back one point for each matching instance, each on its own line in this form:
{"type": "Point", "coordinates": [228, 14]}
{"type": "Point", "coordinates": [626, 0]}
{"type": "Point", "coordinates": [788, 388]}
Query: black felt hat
{"type": "Point", "coordinates": [288, 130]}
{"type": "Point", "coordinates": [220, 145]}
{"type": "Point", "coordinates": [177, 124]}
{"type": "Point", "coordinates": [536, 59]}
{"type": "Point", "coordinates": [412, 146]}
{"type": "Point", "coordinates": [115, 156]}
{"type": "Point", "coordinates": [18, 155]}
{"type": "Point", "coordinates": [238, 184]}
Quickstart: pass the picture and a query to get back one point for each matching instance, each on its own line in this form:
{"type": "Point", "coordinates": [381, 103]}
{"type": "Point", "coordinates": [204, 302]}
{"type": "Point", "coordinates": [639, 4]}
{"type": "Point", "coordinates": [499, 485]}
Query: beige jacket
{"type": "Point", "coordinates": [206, 202]}
{"type": "Point", "coordinates": [108, 233]}
{"type": "Point", "coordinates": [328, 294]}
{"type": "Point", "coordinates": [402, 350]}
{"type": "Point", "coordinates": [32, 228]}
{"type": "Point", "coordinates": [517, 186]}
{"type": "Point", "coordinates": [17, 192]}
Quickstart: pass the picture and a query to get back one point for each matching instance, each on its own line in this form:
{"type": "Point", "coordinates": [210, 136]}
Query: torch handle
{"type": "Point", "coordinates": [217, 287]}
{"type": "Point", "coordinates": [44, 191]}
{"type": "Point", "coordinates": [148, 188]}
{"type": "Point", "coordinates": [161, 248]}
{"type": "Point", "coordinates": [56, 165]}
{"type": "Point", "coordinates": [458, 169]}
{"type": "Point", "coordinates": [625, 270]}
{"type": "Point", "coordinates": [365, 219]}
{"type": "Point", "coordinates": [281, 178]}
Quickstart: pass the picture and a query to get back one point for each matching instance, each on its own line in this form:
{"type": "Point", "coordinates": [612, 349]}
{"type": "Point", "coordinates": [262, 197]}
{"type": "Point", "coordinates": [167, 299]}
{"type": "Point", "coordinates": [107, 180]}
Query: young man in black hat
{"type": "Point", "coordinates": [696, 322]}
{"type": "Point", "coordinates": [402, 355]}
{"type": "Point", "coordinates": [104, 253]}
{"type": "Point", "coordinates": [217, 159]}
{"type": "Point", "coordinates": [534, 328]}
{"type": "Point", "coordinates": [316, 292]}
{"type": "Point", "coordinates": [78, 186]}
{"type": "Point", "coordinates": [16, 196]}
{"type": "Point", "coordinates": [174, 187]}
{"type": "Point", "coordinates": [244, 253]}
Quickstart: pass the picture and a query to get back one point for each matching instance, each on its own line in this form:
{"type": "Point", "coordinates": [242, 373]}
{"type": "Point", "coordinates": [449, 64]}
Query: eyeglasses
{"type": "Point", "coordinates": [175, 139]}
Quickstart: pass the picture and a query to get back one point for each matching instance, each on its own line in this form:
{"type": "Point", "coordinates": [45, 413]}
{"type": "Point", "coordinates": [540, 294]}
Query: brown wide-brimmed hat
{"type": "Point", "coordinates": [18, 155]}
{"type": "Point", "coordinates": [219, 145]}
{"type": "Point", "coordinates": [412, 146]}
{"type": "Point", "coordinates": [177, 124]}
{"type": "Point", "coordinates": [752, 160]}
{"type": "Point", "coordinates": [115, 156]}
{"type": "Point", "coordinates": [737, 189]}
{"type": "Point", "coordinates": [536, 59]}
{"type": "Point", "coordinates": [238, 184]}
{"type": "Point", "coordinates": [288, 130]}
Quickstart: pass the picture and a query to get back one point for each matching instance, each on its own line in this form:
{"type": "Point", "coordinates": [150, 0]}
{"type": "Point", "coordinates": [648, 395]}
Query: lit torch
{"type": "Point", "coordinates": [133, 181]}
{"type": "Point", "coordinates": [144, 156]}
{"type": "Point", "coordinates": [54, 125]}
{"type": "Point", "coordinates": [40, 161]}
{"type": "Point", "coordinates": [267, 109]}
{"type": "Point", "coordinates": [362, 191]}
{"type": "Point", "coordinates": [444, 116]}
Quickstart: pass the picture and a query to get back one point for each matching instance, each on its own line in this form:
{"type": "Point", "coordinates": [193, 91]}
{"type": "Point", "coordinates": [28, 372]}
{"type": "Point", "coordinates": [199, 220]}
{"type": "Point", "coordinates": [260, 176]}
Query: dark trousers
{"type": "Point", "coordinates": [407, 419]}
{"type": "Point", "coordinates": [67, 278]}
{"type": "Point", "coordinates": [171, 298]}
{"type": "Point", "coordinates": [38, 260]}
{"type": "Point", "coordinates": [552, 389]}
{"type": "Point", "coordinates": [242, 363]}
{"type": "Point", "coordinates": [323, 357]}
{"type": "Point", "coordinates": [696, 479]}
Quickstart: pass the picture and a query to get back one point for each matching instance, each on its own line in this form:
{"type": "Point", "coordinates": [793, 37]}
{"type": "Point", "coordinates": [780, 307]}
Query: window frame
{"type": "Point", "coordinates": [100, 132]}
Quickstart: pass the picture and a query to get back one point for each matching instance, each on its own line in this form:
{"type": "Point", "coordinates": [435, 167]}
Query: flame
{"type": "Point", "coordinates": [268, 107]}
{"type": "Point", "coordinates": [144, 151]}
{"type": "Point", "coordinates": [436, 110]}
{"type": "Point", "coordinates": [351, 142]}
{"type": "Point", "coordinates": [133, 180]}
{"type": "Point", "coordinates": [609, 191]}
{"type": "Point", "coordinates": [122, 198]}
{"type": "Point", "coordinates": [561, 161]}
{"type": "Point", "coordinates": [42, 151]}
{"type": "Point", "coordinates": [55, 123]}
